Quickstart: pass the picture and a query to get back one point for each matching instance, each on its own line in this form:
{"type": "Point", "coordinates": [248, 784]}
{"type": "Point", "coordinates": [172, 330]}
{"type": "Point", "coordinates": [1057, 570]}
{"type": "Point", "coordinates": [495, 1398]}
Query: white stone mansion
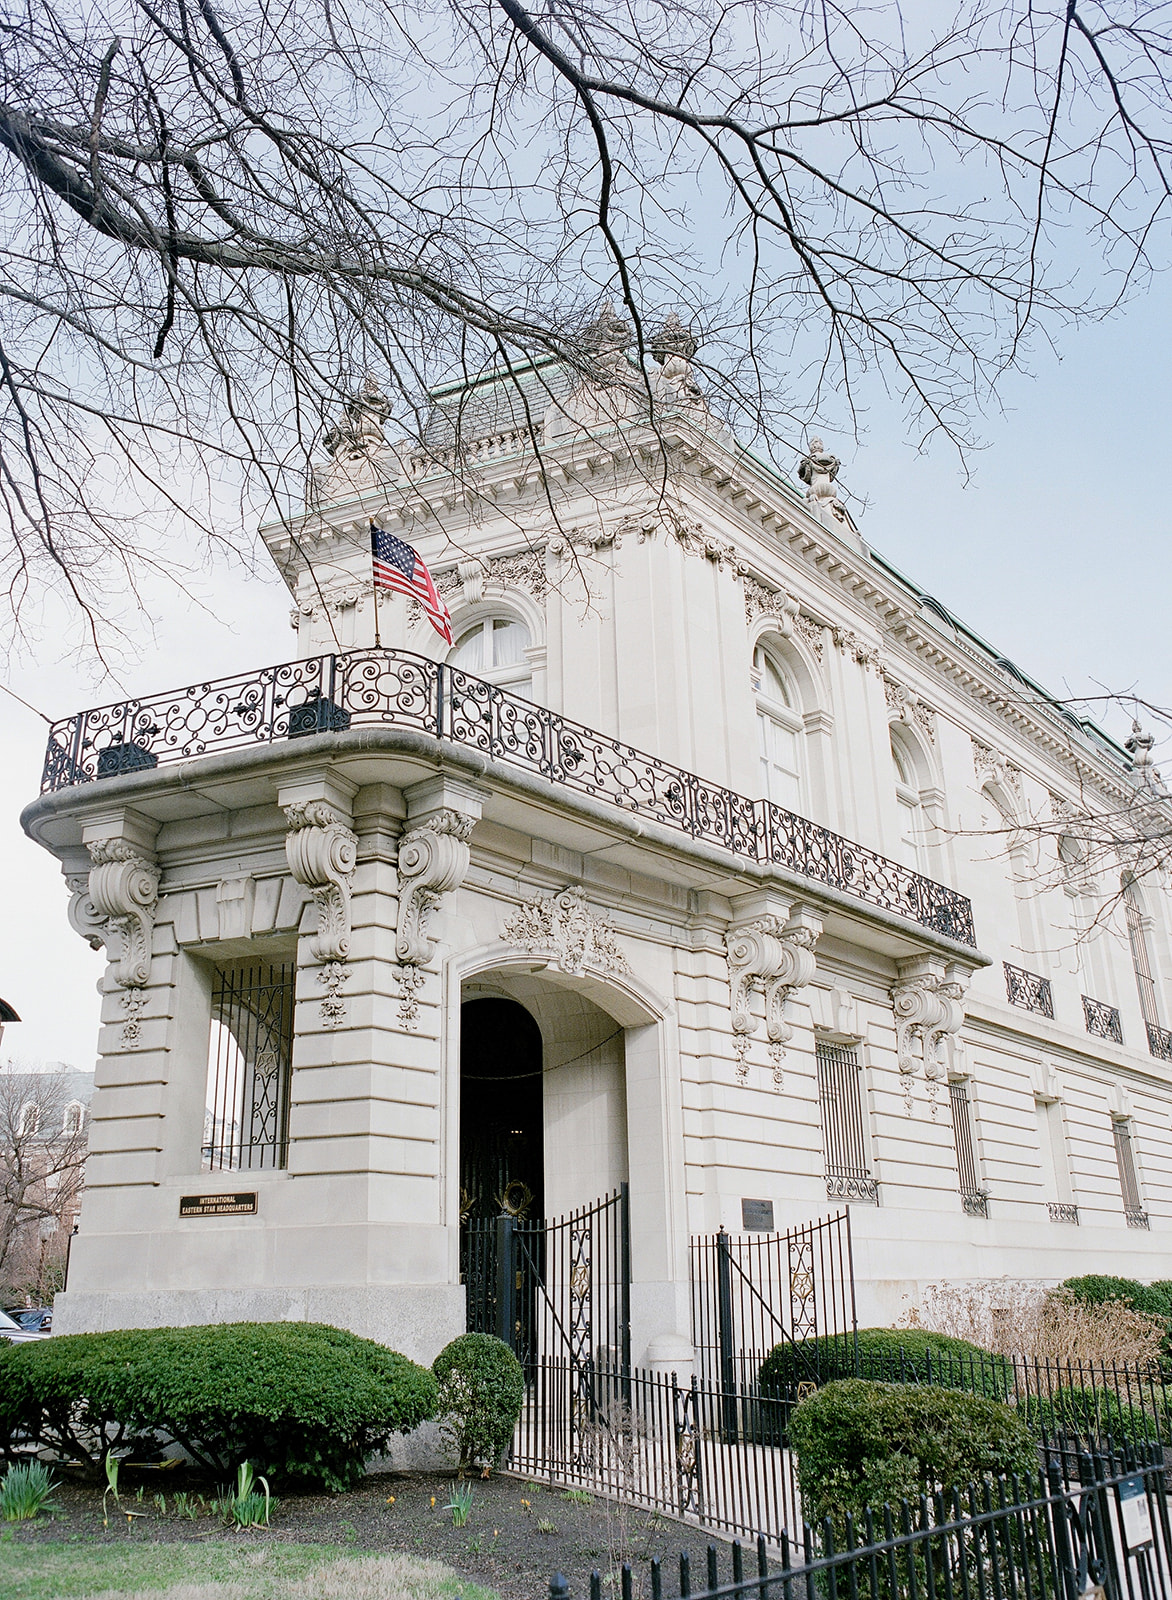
{"type": "Point", "coordinates": [698, 863]}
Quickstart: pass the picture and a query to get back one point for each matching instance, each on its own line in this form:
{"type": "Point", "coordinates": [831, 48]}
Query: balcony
{"type": "Point", "coordinates": [1160, 1041]}
{"type": "Point", "coordinates": [1062, 1211]}
{"type": "Point", "coordinates": [1135, 1217]}
{"type": "Point", "coordinates": [1102, 1020]}
{"type": "Point", "coordinates": [398, 689]}
{"type": "Point", "coordinates": [1028, 990]}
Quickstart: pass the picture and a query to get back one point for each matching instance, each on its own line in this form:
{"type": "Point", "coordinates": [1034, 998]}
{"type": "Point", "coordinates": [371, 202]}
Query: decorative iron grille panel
{"type": "Point", "coordinates": [1029, 990]}
{"type": "Point", "coordinates": [396, 688]}
{"type": "Point", "coordinates": [1061, 1211]}
{"type": "Point", "coordinates": [1160, 1041]}
{"type": "Point", "coordinates": [1102, 1020]}
{"type": "Point", "coordinates": [974, 1200]}
{"type": "Point", "coordinates": [840, 1105]}
{"type": "Point", "coordinates": [1128, 1176]}
{"type": "Point", "coordinates": [247, 1110]}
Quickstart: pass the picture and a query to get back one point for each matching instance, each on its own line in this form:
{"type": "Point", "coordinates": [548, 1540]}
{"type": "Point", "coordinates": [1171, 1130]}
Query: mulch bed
{"type": "Point", "coordinates": [518, 1535]}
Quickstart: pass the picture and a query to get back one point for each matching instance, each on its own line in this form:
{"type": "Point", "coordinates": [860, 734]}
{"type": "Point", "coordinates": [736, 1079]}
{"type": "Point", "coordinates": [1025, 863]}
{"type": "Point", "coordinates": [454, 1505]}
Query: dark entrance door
{"type": "Point", "coordinates": [502, 1145]}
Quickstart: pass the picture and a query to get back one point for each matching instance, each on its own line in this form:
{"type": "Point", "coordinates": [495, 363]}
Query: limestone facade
{"type": "Point", "coordinates": [722, 620]}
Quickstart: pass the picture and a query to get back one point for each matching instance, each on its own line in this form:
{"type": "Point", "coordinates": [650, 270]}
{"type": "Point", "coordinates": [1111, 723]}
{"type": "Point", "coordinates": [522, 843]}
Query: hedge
{"type": "Point", "coordinates": [861, 1444]}
{"type": "Point", "coordinates": [888, 1355]}
{"type": "Point", "coordinates": [303, 1401]}
{"type": "Point", "coordinates": [1097, 1288]}
{"type": "Point", "coordinates": [481, 1391]}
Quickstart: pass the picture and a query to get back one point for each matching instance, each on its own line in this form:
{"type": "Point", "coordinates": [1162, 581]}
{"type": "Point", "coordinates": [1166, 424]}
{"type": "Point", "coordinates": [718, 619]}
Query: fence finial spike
{"type": "Point", "coordinates": [559, 1587]}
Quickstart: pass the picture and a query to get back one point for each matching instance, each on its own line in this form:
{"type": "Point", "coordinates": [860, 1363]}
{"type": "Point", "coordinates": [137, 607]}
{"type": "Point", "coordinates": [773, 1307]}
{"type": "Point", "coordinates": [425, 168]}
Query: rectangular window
{"type": "Point", "coordinates": [840, 1105]}
{"type": "Point", "coordinates": [1055, 1162]}
{"type": "Point", "coordinates": [249, 1062]}
{"type": "Point", "coordinates": [1133, 1209]}
{"type": "Point", "coordinates": [973, 1198]}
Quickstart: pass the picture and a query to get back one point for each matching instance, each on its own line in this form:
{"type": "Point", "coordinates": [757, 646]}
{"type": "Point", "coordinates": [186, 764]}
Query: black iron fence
{"type": "Point", "coordinates": [690, 1449]}
{"type": "Point", "coordinates": [1099, 1532]}
{"type": "Point", "coordinates": [396, 688]}
{"type": "Point", "coordinates": [751, 1292]}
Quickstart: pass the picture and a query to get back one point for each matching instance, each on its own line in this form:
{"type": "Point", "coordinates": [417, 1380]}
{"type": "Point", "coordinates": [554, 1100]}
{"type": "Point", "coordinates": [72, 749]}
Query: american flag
{"type": "Point", "coordinates": [399, 566]}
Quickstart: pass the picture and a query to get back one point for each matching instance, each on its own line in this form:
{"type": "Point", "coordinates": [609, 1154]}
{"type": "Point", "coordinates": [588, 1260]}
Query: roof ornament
{"type": "Point", "coordinates": [360, 434]}
{"type": "Point", "coordinates": [818, 469]}
{"type": "Point", "coordinates": [673, 347]}
{"type": "Point", "coordinates": [1139, 748]}
{"type": "Point", "coordinates": [607, 338]}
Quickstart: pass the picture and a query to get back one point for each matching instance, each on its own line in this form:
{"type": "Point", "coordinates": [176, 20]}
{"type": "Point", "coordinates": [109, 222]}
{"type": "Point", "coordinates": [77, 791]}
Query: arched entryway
{"type": "Point", "coordinates": [502, 1112]}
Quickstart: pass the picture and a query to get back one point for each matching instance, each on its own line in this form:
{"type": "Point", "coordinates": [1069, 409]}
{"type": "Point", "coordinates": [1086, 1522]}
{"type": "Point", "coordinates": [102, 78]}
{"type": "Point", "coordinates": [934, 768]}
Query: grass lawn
{"type": "Point", "coordinates": [221, 1570]}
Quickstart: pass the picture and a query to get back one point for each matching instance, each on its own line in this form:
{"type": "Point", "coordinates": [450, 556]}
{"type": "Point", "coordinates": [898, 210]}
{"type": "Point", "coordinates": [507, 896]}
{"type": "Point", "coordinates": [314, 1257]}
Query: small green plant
{"type": "Point", "coordinates": [160, 1504]}
{"type": "Point", "coordinates": [25, 1492]}
{"type": "Point", "coordinates": [112, 1465]}
{"type": "Point", "coordinates": [545, 1526]}
{"type": "Point", "coordinates": [460, 1505]}
{"type": "Point", "coordinates": [185, 1505]}
{"type": "Point", "coordinates": [248, 1507]}
{"type": "Point", "coordinates": [578, 1497]}
{"type": "Point", "coordinates": [474, 1546]}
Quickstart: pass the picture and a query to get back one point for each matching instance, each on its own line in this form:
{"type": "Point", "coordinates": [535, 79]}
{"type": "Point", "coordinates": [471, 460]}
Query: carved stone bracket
{"type": "Point", "coordinates": [84, 916]}
{"type": "Point", "coordinates": [775, 958]}
{"type": "Point", "coordinates": [433, 859]}
{"type": "Point", "coordinates": [850, 643]}
{"type": "Point", "coordinates": [904, 705]}
{"type": "Point", "coordinates": [322, 850]}
{"type": "Point", "coordinates": [124, 894]}
{"type": "Point", "coordinates": [929, 1012]}
{"type": "Point", "coordinates": [760, 601]}
{"type": "Point", "coordinates": [564, 929]}
{"type": "Point", "coordinates": [991, 764]}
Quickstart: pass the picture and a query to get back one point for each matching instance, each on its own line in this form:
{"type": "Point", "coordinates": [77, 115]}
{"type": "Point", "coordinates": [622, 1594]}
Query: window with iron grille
{"type": "Point", "coordinates": [840, 1105]}
{"type": "Point", "coordinates": [973, 1198]}
{"type": "Point", "coordinates": [1133, 1208]}
{"type": "Point", "coordinates": [249, 1060]}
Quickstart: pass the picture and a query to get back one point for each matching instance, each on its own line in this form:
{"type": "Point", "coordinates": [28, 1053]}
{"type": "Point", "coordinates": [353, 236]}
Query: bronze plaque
{"type": "Point", "coordinates": [217, 1205]}
{"type": "Point", "coordinates": [757, 1216]}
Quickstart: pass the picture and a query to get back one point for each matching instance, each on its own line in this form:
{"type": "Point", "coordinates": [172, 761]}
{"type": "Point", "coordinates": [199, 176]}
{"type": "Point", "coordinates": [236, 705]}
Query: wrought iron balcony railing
{"type": "Point", "coordinates": [1029, 990]}
{"type": "Point", "coordinates": [396, 688]}
{"type": "Point", "coordinates": [1160, 1041]}
{"type": "Point", "coordinates": [974, 1202]}
{"type": "Point", "coordinates": [1102, 1020]}
{"type": "Point", "coordinates": [1135, 1217]}
{"type": "Point", "coordinates": [1062, 1211]}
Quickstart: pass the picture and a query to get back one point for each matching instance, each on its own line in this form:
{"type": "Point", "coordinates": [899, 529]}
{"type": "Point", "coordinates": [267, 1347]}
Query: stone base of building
{"type": "Point", "coordinates": [415, 1319]}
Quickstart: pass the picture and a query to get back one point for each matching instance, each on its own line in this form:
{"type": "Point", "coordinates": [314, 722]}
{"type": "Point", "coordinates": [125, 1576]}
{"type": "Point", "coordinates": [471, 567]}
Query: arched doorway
{"type": "Point", "coordinates": [502, 1131]}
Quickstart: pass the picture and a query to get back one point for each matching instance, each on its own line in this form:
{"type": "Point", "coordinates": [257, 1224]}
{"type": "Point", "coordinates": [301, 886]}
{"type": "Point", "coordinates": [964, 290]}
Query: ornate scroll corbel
{"type": "Point", "coordinates": [929, 1011]}
{"type": "Point", "coordinates": [322, 850]}
{"type": "Point", "coordinates": [123, 894]}
{"type": "Point", "coordinates": [777, 959]}
{"type": "Point", "coordinates": [433, 859]}
{"type": "Point", "coordinates": [84, 917]}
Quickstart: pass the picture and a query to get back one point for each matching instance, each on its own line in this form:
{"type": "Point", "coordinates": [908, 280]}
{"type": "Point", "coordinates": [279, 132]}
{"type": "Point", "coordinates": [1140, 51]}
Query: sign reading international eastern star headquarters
{"type": "Point", "coordinates": [217, 1205]}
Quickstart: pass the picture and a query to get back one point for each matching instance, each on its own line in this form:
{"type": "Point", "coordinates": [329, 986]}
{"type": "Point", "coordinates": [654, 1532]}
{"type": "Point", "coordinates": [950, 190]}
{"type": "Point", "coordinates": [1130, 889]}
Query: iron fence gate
{"type": "Point", "coordinates": [750, 1293]}
{"type": "Point", "coordinates": [554, 1290]}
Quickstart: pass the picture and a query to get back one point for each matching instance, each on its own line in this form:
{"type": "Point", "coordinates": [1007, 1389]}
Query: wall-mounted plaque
{"type": "Point", "coordinates": [757, 1216]}
{"type": "Point", "coordinates": [217, 1205]}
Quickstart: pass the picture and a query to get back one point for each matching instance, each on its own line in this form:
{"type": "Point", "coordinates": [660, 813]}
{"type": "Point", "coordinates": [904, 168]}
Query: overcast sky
{"type": "Point", "coordinates": [1056, 551]}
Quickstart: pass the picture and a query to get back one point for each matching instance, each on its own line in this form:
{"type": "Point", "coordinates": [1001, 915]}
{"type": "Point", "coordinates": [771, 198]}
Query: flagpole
{"type": "Point", "coordinates": [378, 644]}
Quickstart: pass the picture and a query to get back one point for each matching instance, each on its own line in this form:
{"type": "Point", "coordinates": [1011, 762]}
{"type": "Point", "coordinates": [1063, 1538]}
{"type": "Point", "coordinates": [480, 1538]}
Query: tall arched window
{"type": "Point", "coordinates": [495, 650]}
{"type": "Point", "coordinates": [1141, 954]}
{"type": "Point", "coordinates": [780, 732]}
{"type": "Point", "coordinates": [907, 797]}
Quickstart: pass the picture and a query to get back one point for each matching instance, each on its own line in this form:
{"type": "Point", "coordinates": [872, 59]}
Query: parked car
{"type": "Point", "coordinates": [11, 1330]}
{"type": "Point", "coordinates": [36, 1319]}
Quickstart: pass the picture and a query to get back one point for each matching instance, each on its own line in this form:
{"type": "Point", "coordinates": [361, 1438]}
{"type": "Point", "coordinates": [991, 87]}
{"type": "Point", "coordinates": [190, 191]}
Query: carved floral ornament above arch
{"type": "Point", "coordinates": [564, 929]}
{"type": "Point", "coordinates": [904, 705]}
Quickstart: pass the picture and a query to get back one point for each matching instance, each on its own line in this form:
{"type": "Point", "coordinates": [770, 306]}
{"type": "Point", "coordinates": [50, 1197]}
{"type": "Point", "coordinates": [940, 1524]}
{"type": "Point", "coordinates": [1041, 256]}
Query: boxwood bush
{"type": "Point", "coordinates": [1097, 1288]}
{"type": "Point", "coordinates": [481, 1390]}
{"type": "Point", "coordinates": [888, 1355]}
{"type": "Point", "coordinates": [303, 1401]}
{"type": "Point", "coordinates": [861, 1444]}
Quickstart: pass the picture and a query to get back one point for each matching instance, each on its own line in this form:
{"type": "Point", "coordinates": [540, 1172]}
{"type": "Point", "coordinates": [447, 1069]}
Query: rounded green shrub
{"type": "Point", "coordinates": [888, 1355]}
{"type": "Point", "coordinates": [481, 1391]}
{"type": "Point", "coordinates": [1096, 1415]}
{"type": "Point", "coordinates": [1097, 1288]}
{"type": "Point", "coordinates": [861, 1443]}
{"type": "Point", "coordinates": [303, 1401]}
